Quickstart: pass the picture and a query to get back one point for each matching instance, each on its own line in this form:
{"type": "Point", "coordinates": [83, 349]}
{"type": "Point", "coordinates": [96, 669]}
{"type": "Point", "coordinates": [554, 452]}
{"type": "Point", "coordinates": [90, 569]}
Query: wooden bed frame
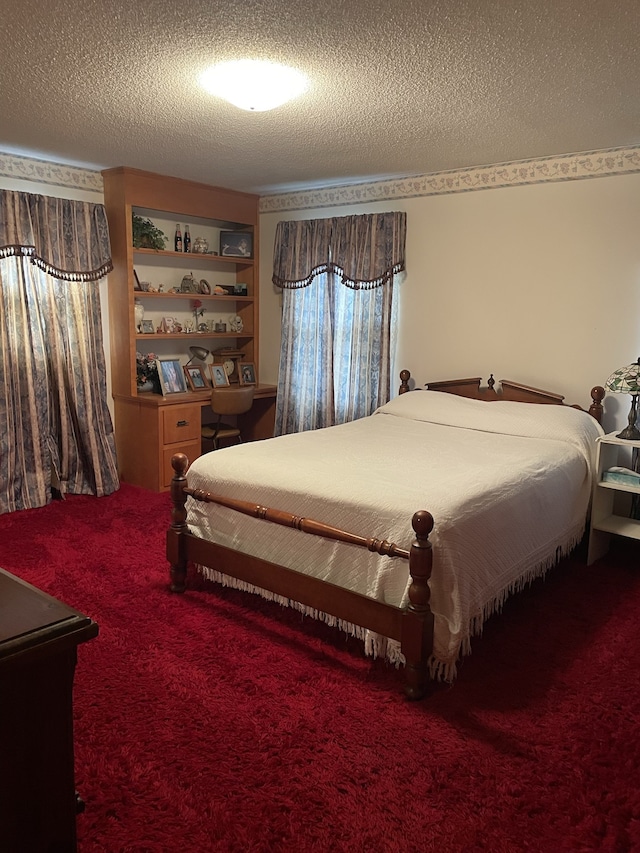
{"type": "Point", "coordinates": [411, 626]}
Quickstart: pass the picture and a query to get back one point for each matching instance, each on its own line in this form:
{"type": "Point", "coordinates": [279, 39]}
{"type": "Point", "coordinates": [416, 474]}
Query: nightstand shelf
{"type": "Point", "coordinates": [604, 518]}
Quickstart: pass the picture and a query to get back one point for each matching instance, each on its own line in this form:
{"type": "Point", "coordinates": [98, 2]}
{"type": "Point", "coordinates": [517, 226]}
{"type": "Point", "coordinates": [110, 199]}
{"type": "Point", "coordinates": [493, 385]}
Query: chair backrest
{"type": "Point", "coordinates": [232, 401]}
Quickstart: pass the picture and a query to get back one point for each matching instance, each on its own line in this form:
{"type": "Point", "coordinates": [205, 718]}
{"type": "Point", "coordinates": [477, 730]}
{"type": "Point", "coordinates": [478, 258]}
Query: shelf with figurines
{"type": "Point", "coordinates": [190, 286]}
{"type": "Point", "coordinates": [191, 336]}
{"type": "Point", "coordinates": [230, 325]}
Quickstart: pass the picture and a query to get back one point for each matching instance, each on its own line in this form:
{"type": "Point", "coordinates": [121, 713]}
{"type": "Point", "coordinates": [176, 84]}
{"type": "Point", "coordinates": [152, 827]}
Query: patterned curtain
{"type": "Point", "coordinates": [52, 367]}
{"type": "Point", "coordinates": [67, 239]}
{"type": "Point", "coordinates": [339, 277]}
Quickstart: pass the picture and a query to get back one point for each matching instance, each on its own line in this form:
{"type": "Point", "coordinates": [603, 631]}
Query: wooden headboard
{"type": "Point", "coordinates": [508, 390]}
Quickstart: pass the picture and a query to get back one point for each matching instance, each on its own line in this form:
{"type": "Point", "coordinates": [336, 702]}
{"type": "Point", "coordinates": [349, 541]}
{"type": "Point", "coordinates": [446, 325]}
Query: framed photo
{"type": "Point", "coordinates": [219, 377]}
{"type": "Point", "coordinates": [236, 244]}
{"type": "Point", "coordinates": [147, 327]}
{"type": "Point", "coordinates": [196, 377]}
{"type": "Point", "coordinates": [247, 373]}
{"type": "Point", "coordinates": [171, 375]}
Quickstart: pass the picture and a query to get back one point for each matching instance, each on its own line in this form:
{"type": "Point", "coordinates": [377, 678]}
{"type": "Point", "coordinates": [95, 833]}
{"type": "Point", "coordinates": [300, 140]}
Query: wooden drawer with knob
{"type": "Point", "coordinates": [180, 424]}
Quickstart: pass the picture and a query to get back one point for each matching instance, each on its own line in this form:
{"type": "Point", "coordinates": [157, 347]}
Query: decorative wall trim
{"type": "Point", "coordinates": [44, 172]}
{"type": "Point", "coordinates": [564, 167]}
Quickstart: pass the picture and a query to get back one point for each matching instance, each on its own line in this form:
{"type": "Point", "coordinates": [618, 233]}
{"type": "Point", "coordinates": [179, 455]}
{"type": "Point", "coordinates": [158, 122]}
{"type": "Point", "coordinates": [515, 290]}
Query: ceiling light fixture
{"type": "Point", "coordinates": [254, 84]}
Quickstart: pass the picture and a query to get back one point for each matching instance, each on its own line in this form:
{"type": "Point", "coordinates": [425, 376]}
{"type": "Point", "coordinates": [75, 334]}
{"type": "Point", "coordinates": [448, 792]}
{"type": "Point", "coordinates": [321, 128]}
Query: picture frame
{"type": "Point", "coordinates": [147, 327]}
{"type": "Point", "coordinates": [219, 378]}
{"type": "Point", "coordinates": [171, 375]}
{"type": "Point", "coordinates": [247, 373]}
{"type": "Point", "coordinates": [136, 285]}
{"type": "Point", "coordinates": [236, 244]}
{"type": "Point", "coordinates": [196, 377]}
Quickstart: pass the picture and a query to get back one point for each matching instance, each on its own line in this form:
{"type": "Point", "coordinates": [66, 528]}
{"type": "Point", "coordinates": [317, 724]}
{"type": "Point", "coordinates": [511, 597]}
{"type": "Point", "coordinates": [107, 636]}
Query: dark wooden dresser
{"type": "Point", "coordinates": [39, 636]}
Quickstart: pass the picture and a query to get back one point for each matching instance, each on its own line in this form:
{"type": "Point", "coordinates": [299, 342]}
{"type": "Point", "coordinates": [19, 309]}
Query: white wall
{"type": "Point", "coordinates": [539, 284]}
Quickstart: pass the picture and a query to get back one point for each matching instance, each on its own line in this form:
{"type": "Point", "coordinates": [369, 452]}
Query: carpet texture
{"type": "Point", "coordinates": [215, 721]}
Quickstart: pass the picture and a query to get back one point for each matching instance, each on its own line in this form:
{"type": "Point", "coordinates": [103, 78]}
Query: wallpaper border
{"type": "Point", "coordinates": [564, 167]}
{"type": "Point", "coordinates": [46, 172]}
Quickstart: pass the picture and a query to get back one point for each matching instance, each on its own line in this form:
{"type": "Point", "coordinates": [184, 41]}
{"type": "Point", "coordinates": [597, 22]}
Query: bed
{"type": "Point", "coordinates": [407, 528]}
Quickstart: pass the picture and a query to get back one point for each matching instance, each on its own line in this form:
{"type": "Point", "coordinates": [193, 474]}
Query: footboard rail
{"type": "Point", "coordinates": [414, 623]}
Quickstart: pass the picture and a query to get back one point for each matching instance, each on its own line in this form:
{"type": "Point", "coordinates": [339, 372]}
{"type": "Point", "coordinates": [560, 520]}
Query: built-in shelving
{"type": "Point", "coordinates": [150, 428]}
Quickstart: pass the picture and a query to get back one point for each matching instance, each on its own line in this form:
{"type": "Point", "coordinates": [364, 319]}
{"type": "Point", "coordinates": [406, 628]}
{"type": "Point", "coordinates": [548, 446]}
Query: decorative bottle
{"type": "Point", "coordinates": [177, 243]}
{"type": "Point", "coordinates": [187, 239]}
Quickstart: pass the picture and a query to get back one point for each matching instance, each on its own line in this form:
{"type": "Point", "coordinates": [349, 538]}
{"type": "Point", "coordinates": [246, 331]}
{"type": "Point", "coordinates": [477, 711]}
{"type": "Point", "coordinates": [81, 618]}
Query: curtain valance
{"type": "Point", "coordinates": [67, 239]}
{"type": "Point", "coordinates": [365, 251]}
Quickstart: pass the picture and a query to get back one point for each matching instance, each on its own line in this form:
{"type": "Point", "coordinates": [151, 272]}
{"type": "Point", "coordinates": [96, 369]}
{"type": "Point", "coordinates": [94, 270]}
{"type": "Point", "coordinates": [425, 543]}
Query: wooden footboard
{"type": "Point", "coordinates": [412, 626]}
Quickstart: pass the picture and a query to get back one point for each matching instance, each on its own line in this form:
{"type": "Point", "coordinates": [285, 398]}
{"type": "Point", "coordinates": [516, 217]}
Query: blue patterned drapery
{"type": "Point", "coordinates": [58, 431]}
{"type": "Point", "coordinates": [337, 340]}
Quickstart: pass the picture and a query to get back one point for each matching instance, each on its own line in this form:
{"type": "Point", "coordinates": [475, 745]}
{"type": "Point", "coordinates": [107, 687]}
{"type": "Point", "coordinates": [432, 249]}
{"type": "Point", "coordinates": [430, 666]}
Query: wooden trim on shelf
{"type": "Point", "coordinates": [209, 297]}
{"type": "Point", "coordinates": [193, 336]}
{"type": "Point", "coordinates": [200, 256]}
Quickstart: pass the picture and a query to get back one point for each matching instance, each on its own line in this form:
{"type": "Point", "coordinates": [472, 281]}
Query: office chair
{"type": "Point", "coordinates": [227, 401]}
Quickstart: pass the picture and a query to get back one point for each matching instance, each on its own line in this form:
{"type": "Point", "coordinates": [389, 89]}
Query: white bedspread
{"type": "Point", "coordinates": [508, 485]}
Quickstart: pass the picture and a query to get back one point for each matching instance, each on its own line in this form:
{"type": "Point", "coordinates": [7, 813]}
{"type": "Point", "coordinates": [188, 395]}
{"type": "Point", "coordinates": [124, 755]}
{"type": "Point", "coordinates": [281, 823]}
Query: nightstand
{"type": "Point", "coordinates": [604, 520]}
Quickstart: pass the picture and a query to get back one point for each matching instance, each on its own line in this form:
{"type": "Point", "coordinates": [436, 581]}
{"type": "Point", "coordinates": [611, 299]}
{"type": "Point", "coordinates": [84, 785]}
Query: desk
{"type": "Point", "coordinates": [151, 428]}
{"type": "Point", "coordinates": [39, 636]}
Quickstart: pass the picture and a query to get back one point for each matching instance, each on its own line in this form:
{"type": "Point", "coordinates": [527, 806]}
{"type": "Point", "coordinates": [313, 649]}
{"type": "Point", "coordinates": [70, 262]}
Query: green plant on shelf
{"type": "Point", "coordinates": [146, 235]}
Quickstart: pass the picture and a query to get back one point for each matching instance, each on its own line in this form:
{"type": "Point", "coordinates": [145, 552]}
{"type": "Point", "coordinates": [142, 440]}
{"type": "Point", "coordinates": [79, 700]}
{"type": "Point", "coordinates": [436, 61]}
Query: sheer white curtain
{"type": "Point", "coordinates": [340, 280]}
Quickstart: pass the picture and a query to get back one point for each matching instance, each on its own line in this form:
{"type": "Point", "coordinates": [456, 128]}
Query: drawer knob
{"type": "Point", "coordinates": [182, 423]}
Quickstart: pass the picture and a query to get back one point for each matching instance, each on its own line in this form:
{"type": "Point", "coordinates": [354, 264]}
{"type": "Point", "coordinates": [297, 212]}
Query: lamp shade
{"type": "Point", "coordinates": [197, 352]}
{"type": "Point", "coordinates": [625, 380]}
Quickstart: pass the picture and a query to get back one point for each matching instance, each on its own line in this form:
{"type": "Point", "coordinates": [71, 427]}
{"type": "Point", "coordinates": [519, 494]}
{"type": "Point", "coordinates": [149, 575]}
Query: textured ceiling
{"type": "Point", "coordinates": [399, 87]}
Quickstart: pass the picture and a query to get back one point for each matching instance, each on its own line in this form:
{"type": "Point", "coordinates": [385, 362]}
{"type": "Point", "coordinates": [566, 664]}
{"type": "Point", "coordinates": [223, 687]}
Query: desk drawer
{"type": "Point", "coordinates": [180, 423]}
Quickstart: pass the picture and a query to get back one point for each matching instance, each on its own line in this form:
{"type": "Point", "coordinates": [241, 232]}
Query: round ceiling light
{"type": "Point", "coordinates": [254, 84]}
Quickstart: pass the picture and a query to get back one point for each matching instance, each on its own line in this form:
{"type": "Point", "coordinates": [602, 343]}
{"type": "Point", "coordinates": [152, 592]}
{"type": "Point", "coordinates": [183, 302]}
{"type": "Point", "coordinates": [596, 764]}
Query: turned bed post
{"type": "Point", "coordinates": [596, 408]}
{"type": "Point", "coordinates": [175, 547]}
{"type": "Point", "coordinates": [417, 620]}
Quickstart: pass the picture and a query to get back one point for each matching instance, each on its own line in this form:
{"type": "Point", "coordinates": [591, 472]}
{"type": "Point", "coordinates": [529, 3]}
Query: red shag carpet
{"type": "Point", "coordinates": [215, 721]}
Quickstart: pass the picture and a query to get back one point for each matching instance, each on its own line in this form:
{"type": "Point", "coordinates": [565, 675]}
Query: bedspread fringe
{"type": "Point", "coordinates": [376, 645]}
{"type": "Point", "coordinates": [447, 671]}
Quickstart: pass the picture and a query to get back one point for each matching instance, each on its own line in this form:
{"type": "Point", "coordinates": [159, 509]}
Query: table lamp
{"type": "Point", "coordinates": [197, 352]}
{"type": "Point", "coordinates": [626, 380]}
